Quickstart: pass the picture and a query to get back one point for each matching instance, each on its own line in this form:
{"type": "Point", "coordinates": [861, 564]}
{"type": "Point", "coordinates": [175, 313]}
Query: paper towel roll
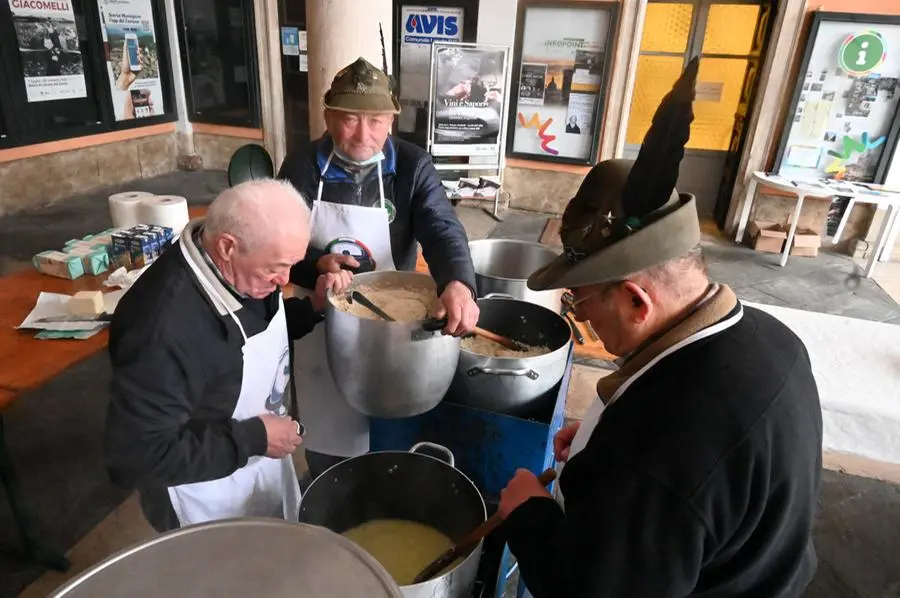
{"type": "Point", "coordinates": [123, 208]}
{"type": "Point", "coordinates": [164, 210]}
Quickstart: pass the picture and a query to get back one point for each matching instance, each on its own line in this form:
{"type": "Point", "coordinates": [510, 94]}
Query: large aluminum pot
{"type": "Point", "coordinates": [389, 369]}
{"type": "Point", "coordinates": [413, 486]}
{"type": "Point", "coordinates": [502, 267]}
{"type": "Point", "coordinates": [512, 385]}
{"type": "Point", "coordinates": [237, 558]}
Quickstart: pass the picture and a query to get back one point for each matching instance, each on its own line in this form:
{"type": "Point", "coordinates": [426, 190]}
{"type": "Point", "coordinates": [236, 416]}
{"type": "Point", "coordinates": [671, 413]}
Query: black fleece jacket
{"type": "Point", "coordinates": [700, 480]}
{"type": "Point", "coordinates": [177, 373]}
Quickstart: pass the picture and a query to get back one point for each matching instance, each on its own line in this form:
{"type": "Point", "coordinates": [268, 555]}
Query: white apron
{"type": "Point", "coordinates": [264, 487]}
{"type": "Point", "coordinates": [333, 427]}
{"type": "Point", "coordinates": [595, 412]}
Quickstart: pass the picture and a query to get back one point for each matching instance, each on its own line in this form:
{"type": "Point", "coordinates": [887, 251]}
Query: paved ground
{"type": "Point", "coordinates": [859, 519]}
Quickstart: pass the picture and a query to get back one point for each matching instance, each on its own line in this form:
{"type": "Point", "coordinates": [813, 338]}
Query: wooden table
{"type": "Point", "coordinates": [27, 363]}
{"type": "Point", "coordinates": [591, 349]}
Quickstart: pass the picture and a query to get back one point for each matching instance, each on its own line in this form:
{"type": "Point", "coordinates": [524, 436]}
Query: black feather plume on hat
{"type": "Point", "coordinates": [391, 81]}
{"type": "Point", "coordinates": [655, 171]}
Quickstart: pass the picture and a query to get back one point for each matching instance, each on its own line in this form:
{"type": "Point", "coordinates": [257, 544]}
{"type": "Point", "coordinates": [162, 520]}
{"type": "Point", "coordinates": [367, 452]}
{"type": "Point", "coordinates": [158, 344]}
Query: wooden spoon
{"type": "Point", "coordinates": [435, 324]}
{"type": "Point", "coordinates": [472, 540]}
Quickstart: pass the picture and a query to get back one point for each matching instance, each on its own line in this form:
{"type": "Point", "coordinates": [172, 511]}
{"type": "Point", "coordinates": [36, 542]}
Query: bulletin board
{"type": "Point", "coordinates": [843, 118]}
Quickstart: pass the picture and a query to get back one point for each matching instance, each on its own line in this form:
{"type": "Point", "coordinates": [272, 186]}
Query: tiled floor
{"type": "Point", "coordinates": [851, 508]}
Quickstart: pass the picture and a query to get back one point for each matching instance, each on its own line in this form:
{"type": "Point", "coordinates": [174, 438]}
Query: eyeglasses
{"type": "Point", "coordinates": [569, 302]}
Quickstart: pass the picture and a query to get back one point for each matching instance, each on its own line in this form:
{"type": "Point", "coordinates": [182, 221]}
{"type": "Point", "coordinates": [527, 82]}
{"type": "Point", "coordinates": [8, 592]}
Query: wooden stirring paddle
{"type": "Point", "coordinates": [472, 540]}
{"type": "Point", "coordinates": [433, 324]}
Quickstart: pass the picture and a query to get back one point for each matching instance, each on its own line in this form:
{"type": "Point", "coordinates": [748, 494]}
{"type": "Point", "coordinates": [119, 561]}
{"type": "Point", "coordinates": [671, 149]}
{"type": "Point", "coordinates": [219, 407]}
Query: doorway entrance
{"type": "Point", "coordinates": [729, 36]}
{"type": "Point", "coordinates": [294, 73]}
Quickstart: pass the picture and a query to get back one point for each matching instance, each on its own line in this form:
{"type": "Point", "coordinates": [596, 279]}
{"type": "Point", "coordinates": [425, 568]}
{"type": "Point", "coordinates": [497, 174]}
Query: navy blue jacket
{"type": "Point", "coordinates": [411, 183]}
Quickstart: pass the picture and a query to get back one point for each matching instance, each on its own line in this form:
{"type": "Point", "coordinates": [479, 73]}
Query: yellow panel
{"type": "Point", "coordinates": [714, 116]}
{"type": "Point", "coordinates": [666, 27]}
{"type": "Point", "coordinates": [653, 80]}
{"type": "Point", "coordinates": [730, 28]}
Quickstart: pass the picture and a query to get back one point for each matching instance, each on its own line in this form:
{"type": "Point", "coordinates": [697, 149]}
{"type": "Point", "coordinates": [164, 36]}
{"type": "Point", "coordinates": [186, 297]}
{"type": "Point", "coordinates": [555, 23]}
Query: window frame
{"type": "Point", "coordinates": [253, 83]}
{"type": "Point", "coordinates": [95, 64]}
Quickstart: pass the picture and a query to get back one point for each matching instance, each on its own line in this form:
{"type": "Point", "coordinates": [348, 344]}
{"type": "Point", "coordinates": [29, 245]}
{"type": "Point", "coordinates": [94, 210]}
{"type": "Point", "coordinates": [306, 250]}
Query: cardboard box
{"type": "Point", "coordinates": [806, 243]}
{"type": "Point", "coordinates": [768, 237]}
{"type": "Point", "coordinates": [59, 264]}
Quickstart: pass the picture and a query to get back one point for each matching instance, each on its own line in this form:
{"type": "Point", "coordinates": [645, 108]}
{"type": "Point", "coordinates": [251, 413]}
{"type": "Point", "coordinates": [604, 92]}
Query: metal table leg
{"type": "Point", "coordinates": [745, 210]}
{"type": "Point", "coordinates": [883, 234]}
{"type": "Point", "coordinates": [34, 549]}
{"type": "Point", "coordinates": [795, 220]}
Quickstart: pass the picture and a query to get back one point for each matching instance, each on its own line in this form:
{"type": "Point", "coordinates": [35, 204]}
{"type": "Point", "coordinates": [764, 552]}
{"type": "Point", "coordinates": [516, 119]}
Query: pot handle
{"type": "Point", "coordinates": [530, 373]}
{"type": "Point", "coordinates": [438, 451]}
{"type": "Point", "coordinates": [498, 296]}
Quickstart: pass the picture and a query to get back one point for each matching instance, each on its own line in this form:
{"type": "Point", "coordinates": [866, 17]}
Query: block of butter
{"type": "Point", "coordinates": [57, 263]}
{"type": "Point", "coordinates": [86, 303]}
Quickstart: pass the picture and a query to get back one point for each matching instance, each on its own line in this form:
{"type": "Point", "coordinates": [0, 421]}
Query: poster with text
{"type": "Point", "coordinates": [132, 62]}
{"type": "Point", "coordinates": [468, 100]}
{"type": "Point", "coordinates": [846, 102]}
{"type": "Point", "coordinates": [570, 44]}
{"type": "Point", "coordinates": [49, 49]}
{"type": "Point", "coordinates": [421, 26]}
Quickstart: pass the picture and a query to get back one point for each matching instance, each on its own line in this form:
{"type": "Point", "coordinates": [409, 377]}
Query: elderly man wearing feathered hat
{"type": "Point", "coordinates": [697, 470]}
{"type": "Point", "coordinates": [372, 197]}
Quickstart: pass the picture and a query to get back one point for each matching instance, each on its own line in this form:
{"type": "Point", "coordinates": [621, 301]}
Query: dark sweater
{"type": "Point", "coordinates": [411, 183]}
{"type": "Point", "coordinates": [177, 373]}
{"type": "Point", "coordinates": [700, 480]}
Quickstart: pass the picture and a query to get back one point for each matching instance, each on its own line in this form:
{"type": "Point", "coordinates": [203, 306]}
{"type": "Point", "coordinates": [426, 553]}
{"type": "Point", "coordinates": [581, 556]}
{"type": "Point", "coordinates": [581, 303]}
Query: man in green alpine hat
{"type": "Point", "coordinates": [697, 471]}
{"type": "Point", "coordinates": [372, 197]}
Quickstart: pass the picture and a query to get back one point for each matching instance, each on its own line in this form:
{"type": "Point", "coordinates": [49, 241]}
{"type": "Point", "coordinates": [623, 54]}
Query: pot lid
{"type": "Point", "coordinates": [237, 558]}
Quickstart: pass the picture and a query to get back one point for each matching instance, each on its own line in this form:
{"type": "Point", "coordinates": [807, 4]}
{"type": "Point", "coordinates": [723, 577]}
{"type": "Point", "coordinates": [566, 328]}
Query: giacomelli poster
{"type": "Point", "coordinates": [560, 78]}
{"type": "Point", "coordinates": [129, 37]}
{"type": "Point", "coordinates": [49, 49]}
{"type": "Point", "coordinates": [468, 97]}
{"type": "Point", "coordinates": [421, 27]}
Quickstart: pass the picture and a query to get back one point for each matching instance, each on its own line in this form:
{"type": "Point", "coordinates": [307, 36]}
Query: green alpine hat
{"type": "Point", "coordinates": [627, 216]}
{"type": "Point", "coordinates": [362, 87]}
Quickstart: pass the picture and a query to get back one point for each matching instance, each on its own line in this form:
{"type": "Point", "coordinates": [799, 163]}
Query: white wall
{"type": "Point", "coordinates": [497, 22]}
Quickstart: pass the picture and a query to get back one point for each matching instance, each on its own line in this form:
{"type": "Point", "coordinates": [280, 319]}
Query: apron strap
{"type": "Point", "coordinates": [322, 176]}
{"type": "Point", "coordinates": [380, 185]}
{"type": "Point", "coordinates": [212, 291]}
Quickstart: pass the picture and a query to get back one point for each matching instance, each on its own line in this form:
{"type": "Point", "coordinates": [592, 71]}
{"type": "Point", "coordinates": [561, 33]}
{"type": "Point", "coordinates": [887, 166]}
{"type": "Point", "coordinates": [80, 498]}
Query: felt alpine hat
{"type": "Point", "coordinates": [627, 215]}
{"type": "Point", "coordinates": [362, 87]}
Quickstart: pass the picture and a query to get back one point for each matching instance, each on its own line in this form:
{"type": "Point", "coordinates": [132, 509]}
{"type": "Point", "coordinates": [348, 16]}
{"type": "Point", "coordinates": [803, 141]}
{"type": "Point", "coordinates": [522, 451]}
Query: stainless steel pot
{"type": "Point", "coordinates": [389, 369]}
{"type": "Point", "coordinates": [237, 558]}
{"type": "Point", "coordinates": [512, 385]}
{"type": "Point", "coordinates": [502, 267]}
{"type": "Point", "coordinates": [403, 485]}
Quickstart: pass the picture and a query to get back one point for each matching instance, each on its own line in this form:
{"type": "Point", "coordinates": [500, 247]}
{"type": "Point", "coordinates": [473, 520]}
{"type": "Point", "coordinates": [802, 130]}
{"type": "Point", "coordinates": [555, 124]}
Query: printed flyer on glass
{"type": "Point", "coordinates": [129, 39]}
{"type": "Point", "coordinates": [49, 50]}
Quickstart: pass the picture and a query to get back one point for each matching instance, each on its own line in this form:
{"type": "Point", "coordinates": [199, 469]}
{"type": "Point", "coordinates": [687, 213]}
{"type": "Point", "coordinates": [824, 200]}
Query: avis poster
{"type": "Point", "coordinates": [132, 62]}
{"type": "Point", "coordinates": [49, 49]}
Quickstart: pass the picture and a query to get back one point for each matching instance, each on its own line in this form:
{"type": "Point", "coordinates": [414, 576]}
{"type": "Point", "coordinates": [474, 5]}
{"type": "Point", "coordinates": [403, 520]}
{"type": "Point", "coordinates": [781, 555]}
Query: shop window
{"type": "Point", "coordinates": [726, 36]}
{"type": "Point", "coordinates": [218, 48]}
{"type": "Point", "coordinates": [76, 68]}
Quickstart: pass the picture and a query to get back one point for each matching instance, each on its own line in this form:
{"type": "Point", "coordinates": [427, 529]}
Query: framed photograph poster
{"type": "Point", "coordinates": [467, 99]}
{"type": "Point", "coordinates": [843, 115]}
{"type": "Point", "coordinates": [560, 73]}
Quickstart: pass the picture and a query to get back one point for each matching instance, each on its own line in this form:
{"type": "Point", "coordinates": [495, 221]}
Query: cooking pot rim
{"type": "Point", "coordinates": [359, 279]}
{"type": "Point", "coordinates": [531, 305]}
{"type": "Point", "coordinates": [550, 249]}
{"type": "Point", "coordinates": [396, 452]}
{"type": "Point", "coordinates": [475, 550]}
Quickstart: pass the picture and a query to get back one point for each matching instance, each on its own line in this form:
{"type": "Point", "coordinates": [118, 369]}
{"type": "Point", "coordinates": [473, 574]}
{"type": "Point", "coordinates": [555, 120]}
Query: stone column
{"type": "Point", "coordinates": [339, 32]}
{"type": "Point", "coordinates": [271, 93]}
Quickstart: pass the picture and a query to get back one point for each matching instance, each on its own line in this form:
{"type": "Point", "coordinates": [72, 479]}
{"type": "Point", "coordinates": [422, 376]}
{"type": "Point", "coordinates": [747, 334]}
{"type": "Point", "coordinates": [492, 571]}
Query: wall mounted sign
{"type": "Point", "coordinates": [862, 53]}
{"type": "Point", "coordinates": [844, 110]}
{"type": "Point", "coordinates": [561, 70]}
